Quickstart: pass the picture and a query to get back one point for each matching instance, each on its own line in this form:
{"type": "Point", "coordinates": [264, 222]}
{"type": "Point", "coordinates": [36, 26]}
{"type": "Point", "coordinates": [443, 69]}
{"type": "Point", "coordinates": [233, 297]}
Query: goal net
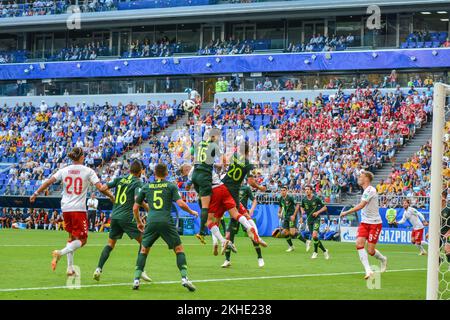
{"type": "Point", "coordinates": [438, 271]}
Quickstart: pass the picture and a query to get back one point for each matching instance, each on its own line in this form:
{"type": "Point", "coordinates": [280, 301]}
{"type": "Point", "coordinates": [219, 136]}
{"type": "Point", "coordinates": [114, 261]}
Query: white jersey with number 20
{"type": "Point", "coordinates": [370, 214]}
{"type": "Point", "coordinates": [76, 180]}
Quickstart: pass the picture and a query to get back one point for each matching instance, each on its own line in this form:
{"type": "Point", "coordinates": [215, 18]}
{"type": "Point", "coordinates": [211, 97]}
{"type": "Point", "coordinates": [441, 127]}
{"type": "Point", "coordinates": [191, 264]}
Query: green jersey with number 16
{"type": "Point", "coordinates": [127, 188]}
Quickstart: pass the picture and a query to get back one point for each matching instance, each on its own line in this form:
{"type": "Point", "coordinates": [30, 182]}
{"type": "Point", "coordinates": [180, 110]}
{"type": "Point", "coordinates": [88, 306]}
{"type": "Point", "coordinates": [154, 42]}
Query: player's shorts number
{"type": "Point", "coordinates": [121, 196]}
{"type": "Point", "coordinates": [235, 173]}
{"type": "Point", "coordinates": [73, 185]}
{"type": "Point", "coordinates": [157, 200]}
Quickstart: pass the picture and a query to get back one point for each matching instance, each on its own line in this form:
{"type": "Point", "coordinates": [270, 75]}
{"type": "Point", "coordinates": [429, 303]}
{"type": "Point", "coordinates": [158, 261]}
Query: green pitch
{"type": "Point", "coordinates": [25, 257]}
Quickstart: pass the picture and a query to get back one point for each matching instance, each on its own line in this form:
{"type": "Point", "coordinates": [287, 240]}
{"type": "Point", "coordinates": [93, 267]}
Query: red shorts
{"type": "Point", "coordinates": [417, 236]}
{"type": "Point", "coordinates": [76, 223]}
{"type": "Point", "coordinates": [369, 231]}
{"type": "Point", "coordinates": [221, 201]}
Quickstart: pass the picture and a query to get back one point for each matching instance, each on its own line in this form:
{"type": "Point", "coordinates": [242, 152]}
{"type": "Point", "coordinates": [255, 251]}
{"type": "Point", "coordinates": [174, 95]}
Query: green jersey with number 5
{"type": "Point", "coordinates": [160, 196]}
{"type": "Point", "coordinates": [237, 171]}
{"type": "Point", "coordinates": [127, 188]}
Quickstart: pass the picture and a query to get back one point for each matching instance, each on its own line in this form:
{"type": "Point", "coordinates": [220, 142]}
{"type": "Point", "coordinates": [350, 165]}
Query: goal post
{"type": "Point", "coordinates": [441, 91]}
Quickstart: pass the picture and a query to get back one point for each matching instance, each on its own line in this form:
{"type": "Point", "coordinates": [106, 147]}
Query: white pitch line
{"type": "Point", "coordinates": [206, 280]}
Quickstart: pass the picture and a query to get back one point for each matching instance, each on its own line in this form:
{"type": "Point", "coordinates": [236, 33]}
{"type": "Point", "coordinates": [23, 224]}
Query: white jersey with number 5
{"type": "Point", "coordinates": [76, 180]}
{"type": "Point", "coordinates": [370, 214]}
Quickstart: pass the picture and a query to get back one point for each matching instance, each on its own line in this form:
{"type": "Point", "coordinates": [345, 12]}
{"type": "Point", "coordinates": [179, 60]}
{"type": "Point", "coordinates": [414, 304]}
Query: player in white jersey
{"type": "Point", "coordinates": [418, 223]}
{"type": "Point", "coordinates": [76, 179]}
{"type": "Point", "coordinates": [370, 226]}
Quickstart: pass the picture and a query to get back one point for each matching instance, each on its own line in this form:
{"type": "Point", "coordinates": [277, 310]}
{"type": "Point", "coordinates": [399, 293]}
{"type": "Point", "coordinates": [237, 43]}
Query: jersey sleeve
{"type": "Point", "coordinates": [93, 178]}
{"type": "Point", "coordinates": [368, 194]}
{"type": "Point", "coordinates": [112, 184]}
{"type": "Point", "coordinates": [404, 216]}
{"type": "Point", "coordinates": [175, 193]}
{"type": "Point", "coordinates": [58, 175]}
{"type": "Point", "coordinates": [137, 189]}
{"type": "Point", "coordinates": [320, 203]}
{"type": "Point", "coordinates": [141, 196]}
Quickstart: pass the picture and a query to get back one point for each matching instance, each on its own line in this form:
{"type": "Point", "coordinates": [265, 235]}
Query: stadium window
{"type": "Point", "coordinates": [350, 25]}
{"type": "Point", "coordinates": [189, 36]}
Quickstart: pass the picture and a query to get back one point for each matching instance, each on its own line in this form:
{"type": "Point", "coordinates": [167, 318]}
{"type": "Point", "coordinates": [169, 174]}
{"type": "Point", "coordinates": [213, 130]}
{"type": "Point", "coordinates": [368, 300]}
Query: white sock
{"type": "Point", "coordinates": [243, 220]}
{"type": "Point", "coordinates": [420, 247]}
{"type": "Point", "coordinates": [70, 261]}
{"type": "Point", "coordinates": [214, 239]}
{"type": "Point", "coordinates": [364, 259]}
{"type": "Point", "coordinates": [71, 247]}
{"type": "Point", "coordinates": [253, 224]}
{"type": "Point", "coordinates": [215, 231]}
{"type": "Point", "coordinates": [378, 255]}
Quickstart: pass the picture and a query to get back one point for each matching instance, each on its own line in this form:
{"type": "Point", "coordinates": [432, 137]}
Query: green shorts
{"type": "Point", "coordinates": [164, 229]}
{"type": "Point", "coordinates": [202, 181]}
{"type": "Point", "coordinates": [313, 225]}
{"type": "Point", "coordinates": [288, 223]}
{"type": "Point", "coordinates": [119, 227]}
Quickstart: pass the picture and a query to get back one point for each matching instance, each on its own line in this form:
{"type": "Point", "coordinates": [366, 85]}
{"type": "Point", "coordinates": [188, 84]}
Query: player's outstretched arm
{"type": "Point", "coordinates": [47, 183]}
{"type": "Point", "coordinates": [320, 211]}
{"type": "Point", "coordinates": [183, 205]}
{"type": "Point", "coordinates": [358, 207]}
{"type": "Point", "coordinates": [100, 187]}
{"type": "Point", "coordinates": [252, 182]}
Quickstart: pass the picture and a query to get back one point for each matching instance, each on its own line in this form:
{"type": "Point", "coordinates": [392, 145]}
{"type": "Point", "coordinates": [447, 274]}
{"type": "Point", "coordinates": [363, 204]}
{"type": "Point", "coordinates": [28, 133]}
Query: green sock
{"type": "Point", "coordinates": [301, 238]}
{"type": "Point", "coordinates": [448, 257]}
{"type": "Point", "coordinates": [104, 256]}
{"type": "Point", "coordinates": [203, 219]}
{"type": "Point", "coordinates": [224, 227]}
{"type": "Point", "coordinates": [182, 264]}
{"type": "Point", "coordinates": [258, 250]}
{"type": "Point", "coordinates": [321, 246]}
{"type": "Point", "coordinates": [316, 245]}
{"type": "Point", "coordinates": [140, 265]}
{"type": "Point", "coordinates": [289, 241]}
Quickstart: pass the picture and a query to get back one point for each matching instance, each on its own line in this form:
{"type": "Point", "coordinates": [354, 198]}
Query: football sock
{"type": "Point", "coordinates": [243, 220]}
{"type": "Point", "coordinates": [224, 227]}
{"type": "Point", "coordinates": [104, 256]}
{"type": "Point", "coordinates": [316, 245]}
{"type": "Point", "coordinates": [182, 264]}
{"type": "Point", "coordinates": [216, 232]}
{"type": "Point", "coordinates": [364, 259]}
{"type": "Point", "coordinates": [140, 265]}
{"type": "Point", "coordinates": [71, 247]}
{"type": "Point", "coordinates": [69, 260]}
{"type": "Point", "coordinates": [289, 241]}
{"type": "Point", "coordinates": [378, 255]}
{"type": "Point", "coordinates": [257, 249]}
{"type": "Point", "coordinates": [321, 246]}
{"type": "Point", "coordinates": [203, 219]}
{"type": "Point", "coordinates": [420, 247]}
{"type": "Point", "coordinates": [301, 238]}
{"type": "Point", "coordinates": [228, 250]}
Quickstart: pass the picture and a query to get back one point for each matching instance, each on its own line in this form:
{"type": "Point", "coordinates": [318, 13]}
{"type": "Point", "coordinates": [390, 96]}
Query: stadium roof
{"type": "Point", "coordinates": [260, 10]}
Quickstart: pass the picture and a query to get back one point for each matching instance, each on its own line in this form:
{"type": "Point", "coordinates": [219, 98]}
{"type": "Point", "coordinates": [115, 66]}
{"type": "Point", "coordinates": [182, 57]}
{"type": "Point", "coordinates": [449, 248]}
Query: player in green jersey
{"type": "Point", "coordinates": [160, 195]}
{"type": "Point", "coordinates": [287, 212]}
{"type": "Point", "coordinates": [312, 206]}
{"type": "Point", "coordinates": [204, 157]}
{"type": "Point", "coordinates": [122, 220]}
{"type": "Point", "coordinates": [445, 227]}
{"type": "Point", "coordinates": [245, 194]}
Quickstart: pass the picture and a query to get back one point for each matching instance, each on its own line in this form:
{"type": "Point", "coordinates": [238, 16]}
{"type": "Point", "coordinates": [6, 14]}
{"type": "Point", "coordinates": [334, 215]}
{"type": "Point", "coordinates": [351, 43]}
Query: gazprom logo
{"type": "Point", "coordinates": [348, 236]}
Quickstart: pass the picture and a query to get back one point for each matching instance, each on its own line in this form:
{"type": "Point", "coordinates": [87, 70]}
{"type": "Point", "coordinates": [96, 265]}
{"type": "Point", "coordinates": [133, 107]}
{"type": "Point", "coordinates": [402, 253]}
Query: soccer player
{"type": "Point", "coordinates": [288, 212]}
{"type": "Point", "coordinates": [205, 154]}
{"type": "Point", "coordinates": [160, 195]}
{"type": "Point", "coordinates": [418, 223]}
{"type": "Point", "coordinates": [122, 219]}
{"type": "Point", "coordinates": [245, 194]}
{"type": "Point", "coordinates": [312, 206]}
{"type": "Point", "coordinates": [445, 228]}
{"type": "Point", "coordinates": [76, 179]}
{"type": "Point", "coordinates": [370, 226]}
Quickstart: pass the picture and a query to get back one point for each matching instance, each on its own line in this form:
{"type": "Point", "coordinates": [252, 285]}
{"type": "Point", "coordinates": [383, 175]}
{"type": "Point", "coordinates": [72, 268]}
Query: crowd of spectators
{"type": "Point", "coordinates": [231, 47]}
{"type": "Point", "coordinates": [319, 42]}
{"type": "Point", "coordinates": [160, 48]}
{"type": "Point", "coordinates": [89, 51]}
{"type": "Point", "coordinates": [36, 139]}
{"type": "Point", "coordinates": [327, 141]}
{"type": "Point", "coordinates": [426, 39]}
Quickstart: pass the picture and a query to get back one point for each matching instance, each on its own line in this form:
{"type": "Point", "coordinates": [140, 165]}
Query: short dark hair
{"type": "Point", "coordinates": [309, 186]}
{"type": "Point", "coordinates": [284, 187]}
{"type": "Point", "coordinates": [136, 167]}
{"type": "Point", "coordinates": [161, 170]}
{"type": "Point", "coordinates": [75, 154]}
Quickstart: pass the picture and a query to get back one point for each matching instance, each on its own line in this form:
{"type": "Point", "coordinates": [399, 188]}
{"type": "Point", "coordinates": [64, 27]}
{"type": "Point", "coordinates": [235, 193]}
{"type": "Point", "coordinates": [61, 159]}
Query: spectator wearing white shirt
{"type": "Point", "coordinates": [92, 205]}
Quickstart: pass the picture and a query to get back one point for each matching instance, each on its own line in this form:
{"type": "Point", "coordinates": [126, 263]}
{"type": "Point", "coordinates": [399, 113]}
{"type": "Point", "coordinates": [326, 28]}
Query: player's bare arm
{"type": "Point", "coordinates": [253, 207]}
{"type": "Point", "coordinates": [137, 217]}
{"type": "Point", "coordinates": [106, 192]}
{"type": "Point", "coordinates": [358, 207]}
{"type": "Point", "coordinates": [183, 205]}
{"type": "Point", "coordinates": [297, 206]}
{"type": "Point", "coordinates": [47, 183]}
{"type": "Point", "coordinates": [320, 211]}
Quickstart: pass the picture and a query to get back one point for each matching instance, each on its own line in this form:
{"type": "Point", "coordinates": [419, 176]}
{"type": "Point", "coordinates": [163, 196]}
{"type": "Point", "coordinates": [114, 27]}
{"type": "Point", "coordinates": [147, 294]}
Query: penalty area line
{"type": "Point", "coordinates": [204, 280]}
